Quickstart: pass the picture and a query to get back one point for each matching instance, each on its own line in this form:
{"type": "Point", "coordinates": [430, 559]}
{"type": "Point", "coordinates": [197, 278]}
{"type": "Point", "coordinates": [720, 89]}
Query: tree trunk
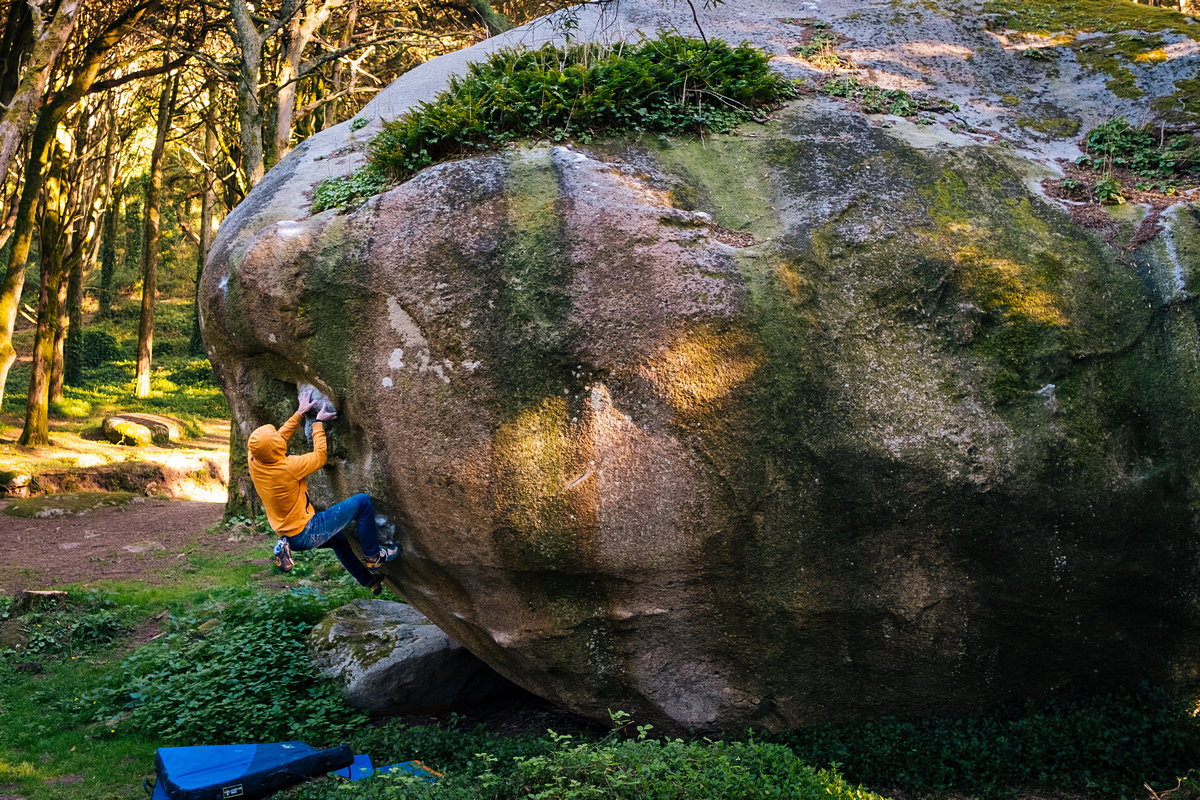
{"type": "Point", "coordinates": [37, 405]}
{"type": "Point", "coordinates": [108, 252]}
{"type": "Point", "coordinates": [62, 324]}
{"type": "Point", "coordinates": [83, 184]}
{"type": "Point", "coordinates": [150, 254]}
{"type": "Point", "coordinates": [196, 345]}
{"type": "Point", "coordinates": [72, 372]}
{"type": "Point", "coordinates": [250, 45]}
{"type": "Point", "coordinates": [51, 36]}
{"type": "Point", "coordinates": [112, 202]}
{"type": "Point", "coordinates": [22, 237]}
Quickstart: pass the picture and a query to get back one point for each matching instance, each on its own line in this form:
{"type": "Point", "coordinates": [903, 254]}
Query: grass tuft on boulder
{"type": "Point", "coordinates": [670, 85]}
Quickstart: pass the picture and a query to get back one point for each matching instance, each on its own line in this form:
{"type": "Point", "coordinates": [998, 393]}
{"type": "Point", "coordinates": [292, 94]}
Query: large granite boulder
{"type": "Point", "coordinates": [827, 418]}
{"type": "Point", "coordinates": [390, 659]}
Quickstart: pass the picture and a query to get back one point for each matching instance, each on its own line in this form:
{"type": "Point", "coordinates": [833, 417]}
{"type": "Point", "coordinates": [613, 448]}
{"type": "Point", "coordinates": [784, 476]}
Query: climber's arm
{"type": "Point", "coordinates": [288, 428]}
{"type": "Point", "coordinates": [311, 462]}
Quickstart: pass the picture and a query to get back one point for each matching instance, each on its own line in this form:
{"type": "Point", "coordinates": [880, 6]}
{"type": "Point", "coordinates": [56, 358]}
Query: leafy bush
{"type": "Point", "coordinates": [1107, 746]}
{"type": "Point", "coordinates": [70, 408]}
{"type": "Point", "coordinates": [640, 768]}
{"type": "Point", "coordinates": [1117, 143]}
{"type": "Point", "coordinates": [350, 190]}
{"type": "Point", "coordinates": [71, 628]}
{"type": "Point", "coordinates": [668, 85]}
{"type": "Point", "coordinates": [98, 348]}
{"type": "Point", "coordinates": [239, 672]}
{"type": "Point", "coordinates": [1108, 190]}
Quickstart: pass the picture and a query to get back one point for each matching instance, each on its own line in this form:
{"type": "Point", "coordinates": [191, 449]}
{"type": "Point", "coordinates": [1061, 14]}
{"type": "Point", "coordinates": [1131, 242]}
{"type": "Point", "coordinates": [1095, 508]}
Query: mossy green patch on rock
{"type": "Point", "coordinates": [1093, 16]}
{"type": "Point", "coordinates": [1130, 33]}
{"type": "Point", "coordinates": [1054, 127]}
{"type": "Point", "coordinates": [57, 505]}
{"type": "Point", "coordinates": [1182, 105]}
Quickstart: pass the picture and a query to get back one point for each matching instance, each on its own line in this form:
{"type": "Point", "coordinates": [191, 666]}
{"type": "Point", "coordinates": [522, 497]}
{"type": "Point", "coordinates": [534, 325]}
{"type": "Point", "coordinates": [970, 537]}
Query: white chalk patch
{"type": "Point", "coordinates": [271, 338]}
{"type": "Point", "coordinates": [387, 382]}
{"type": "Point", "coordinates": [402, 323]}
{"type": "Point", "coordinates": [223, 284]}
{"type": "Point", "coordinates": [470, 366]}
{"type": "Point", "coordinates": [396, 360]}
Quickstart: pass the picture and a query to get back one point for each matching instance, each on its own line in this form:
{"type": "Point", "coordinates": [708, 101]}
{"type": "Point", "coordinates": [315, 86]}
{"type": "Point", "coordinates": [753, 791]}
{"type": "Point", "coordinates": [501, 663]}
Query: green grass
{"type": "Point", "coordinates": [56, 723]}
{"type": "Point", "coordinates": [180, 387]}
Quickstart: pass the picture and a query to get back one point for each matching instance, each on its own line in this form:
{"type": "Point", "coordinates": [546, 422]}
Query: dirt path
{"type": "Point", "coordinates": [105, 543]}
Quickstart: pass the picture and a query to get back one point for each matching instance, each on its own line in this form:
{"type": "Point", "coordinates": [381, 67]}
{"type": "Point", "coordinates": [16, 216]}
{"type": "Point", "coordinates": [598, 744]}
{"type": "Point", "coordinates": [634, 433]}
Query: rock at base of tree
{"type": "Point", "coordinates": [14, 483]}
{"type": "Point", "coordinates": [140, 430]}
{"type": "Point", "coordinates": [392, 660]}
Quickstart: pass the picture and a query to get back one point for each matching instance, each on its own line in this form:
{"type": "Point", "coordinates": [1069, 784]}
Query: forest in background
{"type": "Point", "coordinates": [129, 129]}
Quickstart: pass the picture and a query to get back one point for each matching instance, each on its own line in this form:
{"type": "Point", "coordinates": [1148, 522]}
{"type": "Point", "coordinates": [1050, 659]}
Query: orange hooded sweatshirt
{"type": "Point", "coordinates": [280, 479]}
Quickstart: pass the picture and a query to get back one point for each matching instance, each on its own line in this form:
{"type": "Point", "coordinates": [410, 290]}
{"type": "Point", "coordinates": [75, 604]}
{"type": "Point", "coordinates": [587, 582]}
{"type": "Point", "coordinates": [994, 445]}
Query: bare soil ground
{"type": "Point", "coordinates": [141, 540]}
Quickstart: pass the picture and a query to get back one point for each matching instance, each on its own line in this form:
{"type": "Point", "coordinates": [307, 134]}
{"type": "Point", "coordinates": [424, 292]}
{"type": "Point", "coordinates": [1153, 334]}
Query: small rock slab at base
{"type": "Point", "coordinates": [140, 430]}
{"type": "Point", "coordinates": [14, 483]}
{"type": "Point", "coordinates": [390, 659]}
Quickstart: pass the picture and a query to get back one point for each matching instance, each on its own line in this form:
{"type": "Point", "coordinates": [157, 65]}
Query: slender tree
{"type": "Point", "coordinates": [53, 241]}
{"type": "Point", "coordinates": [207, 203]}
{"type": "Point", "coordinates": [152, 231]}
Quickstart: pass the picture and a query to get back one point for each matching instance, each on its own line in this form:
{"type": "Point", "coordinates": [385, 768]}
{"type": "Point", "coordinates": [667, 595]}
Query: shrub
{"type": "Point", "coordinates": [350, 190]}
{"type": "Point", "coordinates": [98, 348]}
{"type": "Point", "coordinates": [668, 85]}
{"type": "Point", "coordinates": [1142, 150]}
{"type": "Point", "coordinates": [238, 672]}
{"type": "Point", "coordinates": [1107, 746]}
{"type": "Point", "coordinates": [641, 768]}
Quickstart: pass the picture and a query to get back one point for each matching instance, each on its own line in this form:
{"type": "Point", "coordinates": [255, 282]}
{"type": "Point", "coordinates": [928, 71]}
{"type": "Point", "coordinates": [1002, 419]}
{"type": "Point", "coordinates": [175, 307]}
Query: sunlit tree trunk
{"type": "Point", "coordinates": [150, 254]}
{"type": "Point", "coordinates": [36, 430]}
{"type": "Point", "coordinates": [298, 32]}
{"type": "Point", "coordinates": [62, 323]}
{"type": "Point", "coordinates": [208, 201]}
{"type": "Point", "coordinates": [22, 237]}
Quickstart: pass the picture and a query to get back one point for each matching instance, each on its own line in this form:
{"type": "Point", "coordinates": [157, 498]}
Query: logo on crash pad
{"type": "Point", "coordinates": [232, 791]}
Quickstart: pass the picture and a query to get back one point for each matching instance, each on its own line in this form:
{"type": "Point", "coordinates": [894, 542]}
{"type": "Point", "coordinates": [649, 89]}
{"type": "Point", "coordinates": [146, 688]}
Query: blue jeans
{"type": "Point", "coordinates": [325, 530]}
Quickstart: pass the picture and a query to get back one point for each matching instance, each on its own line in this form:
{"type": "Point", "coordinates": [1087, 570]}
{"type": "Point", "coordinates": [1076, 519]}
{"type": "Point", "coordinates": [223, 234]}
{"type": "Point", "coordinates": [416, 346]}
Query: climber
{"type": "Point", "coordinates": [281, 483]}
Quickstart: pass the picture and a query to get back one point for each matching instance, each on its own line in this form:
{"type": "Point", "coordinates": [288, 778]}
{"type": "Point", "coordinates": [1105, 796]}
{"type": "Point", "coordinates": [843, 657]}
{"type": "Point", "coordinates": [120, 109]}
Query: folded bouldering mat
{"type": "Point", "coordinates": [241, 771]}
{"type": "Point", "coordinates": [363, 768]}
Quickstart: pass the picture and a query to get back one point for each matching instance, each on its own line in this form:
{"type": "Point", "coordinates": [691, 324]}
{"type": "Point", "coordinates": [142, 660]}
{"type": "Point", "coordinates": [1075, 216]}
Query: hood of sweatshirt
{"type": "Point", "coordinates": [266, 446]}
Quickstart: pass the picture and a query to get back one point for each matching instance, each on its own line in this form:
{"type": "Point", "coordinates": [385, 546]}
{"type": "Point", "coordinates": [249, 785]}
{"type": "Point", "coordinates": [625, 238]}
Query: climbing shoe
{"type": "Point", "coordinates": [376, 586]}
{"type": "Point", "coordinates": [387, 552]}
{"type": "Point", "coordinates": [283, 555]}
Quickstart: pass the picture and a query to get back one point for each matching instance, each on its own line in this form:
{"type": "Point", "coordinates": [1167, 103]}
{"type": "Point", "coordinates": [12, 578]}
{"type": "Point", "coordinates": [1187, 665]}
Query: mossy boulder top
{"type": "Point", "coordinates": [830, 417]}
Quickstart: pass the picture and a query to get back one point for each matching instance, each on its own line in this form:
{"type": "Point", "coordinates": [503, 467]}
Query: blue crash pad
{"type": "Point", "coordinates": [241, 771]}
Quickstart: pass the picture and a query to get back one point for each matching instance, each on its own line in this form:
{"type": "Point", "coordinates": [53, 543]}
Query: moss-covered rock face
{"type": "Point", "coordinates": [813, 421]}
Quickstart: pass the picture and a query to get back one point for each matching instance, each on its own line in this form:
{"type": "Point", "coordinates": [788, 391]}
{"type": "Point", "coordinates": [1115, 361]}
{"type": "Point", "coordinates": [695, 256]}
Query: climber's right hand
{"type": "Point", "coordinates": [306, 402]}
